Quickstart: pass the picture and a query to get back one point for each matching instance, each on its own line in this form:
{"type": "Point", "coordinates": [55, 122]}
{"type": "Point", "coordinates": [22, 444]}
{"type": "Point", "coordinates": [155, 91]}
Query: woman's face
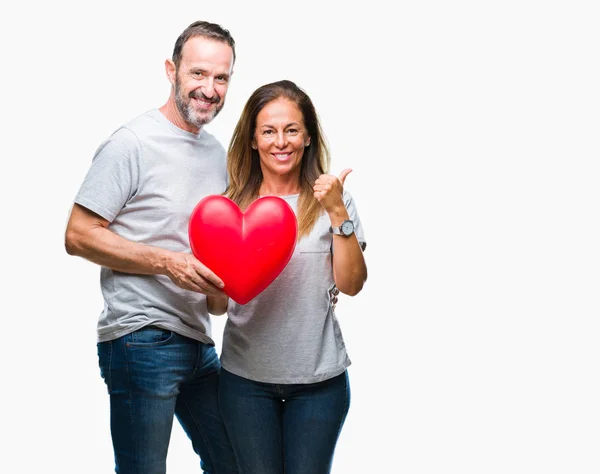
{"type": "Point", "coordinates": [280, 138]}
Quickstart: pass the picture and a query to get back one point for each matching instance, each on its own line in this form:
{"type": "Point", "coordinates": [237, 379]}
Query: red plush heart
{"type": "Point", "coordinates": [246, 250]}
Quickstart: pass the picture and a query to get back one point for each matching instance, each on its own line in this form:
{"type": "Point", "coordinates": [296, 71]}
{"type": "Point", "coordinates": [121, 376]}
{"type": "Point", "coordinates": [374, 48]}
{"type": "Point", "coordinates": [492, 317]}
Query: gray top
{"type": "Point", "coordinates": [289, 333]}
{"type": "Point", "coordinates": [146, 179]}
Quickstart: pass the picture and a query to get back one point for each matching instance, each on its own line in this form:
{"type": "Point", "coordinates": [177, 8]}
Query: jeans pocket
{"type": "Point", "coordinates": [149, 336]}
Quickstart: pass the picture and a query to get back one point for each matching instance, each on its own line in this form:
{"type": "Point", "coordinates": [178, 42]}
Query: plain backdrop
{"type": "Point", "coordinates": [472, 128]}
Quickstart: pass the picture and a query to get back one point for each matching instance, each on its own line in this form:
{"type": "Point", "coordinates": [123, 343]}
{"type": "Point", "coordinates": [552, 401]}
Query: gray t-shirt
{"type": "Point", "coordinates": [289, 333]}
{"type": "Point", "coordinates": [146, 179]}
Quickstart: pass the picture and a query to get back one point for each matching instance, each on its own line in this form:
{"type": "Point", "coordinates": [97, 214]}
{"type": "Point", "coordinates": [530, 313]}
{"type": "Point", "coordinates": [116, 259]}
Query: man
{"type": "Point", "coordinates": [130, 216]}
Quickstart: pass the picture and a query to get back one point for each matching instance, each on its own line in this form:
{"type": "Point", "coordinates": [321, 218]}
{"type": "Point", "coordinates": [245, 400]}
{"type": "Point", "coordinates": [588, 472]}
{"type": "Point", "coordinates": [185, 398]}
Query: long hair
{"type": "Point", "coordinates": [243, 162]}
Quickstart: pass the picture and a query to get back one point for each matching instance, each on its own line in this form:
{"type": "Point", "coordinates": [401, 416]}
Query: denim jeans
{"type": "Point", "coordinates": [276, 428]}
{"type": "Point", "coordinates": [153, 375]}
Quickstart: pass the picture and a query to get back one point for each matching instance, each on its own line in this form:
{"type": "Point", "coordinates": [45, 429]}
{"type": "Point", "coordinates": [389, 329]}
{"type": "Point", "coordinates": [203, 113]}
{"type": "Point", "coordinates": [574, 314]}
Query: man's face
{"type": "Point", "coordinates": [202, 79]}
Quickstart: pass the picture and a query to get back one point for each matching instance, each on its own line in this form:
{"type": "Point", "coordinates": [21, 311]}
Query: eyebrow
{"type": "Point", "coordinates": [203, 71]}
{"type": "Point", "coordinates": [288, 125]}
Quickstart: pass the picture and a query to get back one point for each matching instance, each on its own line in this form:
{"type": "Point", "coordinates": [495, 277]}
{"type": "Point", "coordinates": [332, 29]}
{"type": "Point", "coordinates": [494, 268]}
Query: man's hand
{"type": "Point", "coordinates": [187, 272]}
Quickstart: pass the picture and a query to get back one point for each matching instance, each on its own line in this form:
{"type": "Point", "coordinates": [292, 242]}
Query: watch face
{"type": "Point", "coordinates": [347, 227]}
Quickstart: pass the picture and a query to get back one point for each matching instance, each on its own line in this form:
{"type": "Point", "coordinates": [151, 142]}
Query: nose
{"type": "Point", "coordinates": [281, 140]}
{"type": "Point", "coordinates": [208, 88]}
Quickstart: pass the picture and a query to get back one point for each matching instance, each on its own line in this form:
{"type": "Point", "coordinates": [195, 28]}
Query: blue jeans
{"type": "Point", "coordinates": [153, 375]}
{"type": "Point", "coordinates": [278, 428]}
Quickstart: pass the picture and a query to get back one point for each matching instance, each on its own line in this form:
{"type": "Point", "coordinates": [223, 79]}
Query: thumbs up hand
{"type": "Point", "coordinates": [328, 190]}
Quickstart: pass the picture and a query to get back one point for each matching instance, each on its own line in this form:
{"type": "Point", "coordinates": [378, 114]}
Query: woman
{"type": "Point", "coordinates": [284, 391]}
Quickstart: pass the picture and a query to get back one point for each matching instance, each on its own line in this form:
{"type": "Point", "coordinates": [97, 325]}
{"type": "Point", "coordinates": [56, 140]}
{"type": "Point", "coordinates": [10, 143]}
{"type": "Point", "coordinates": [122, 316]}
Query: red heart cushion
{"type": "Point", "coordinates": [246, 250]}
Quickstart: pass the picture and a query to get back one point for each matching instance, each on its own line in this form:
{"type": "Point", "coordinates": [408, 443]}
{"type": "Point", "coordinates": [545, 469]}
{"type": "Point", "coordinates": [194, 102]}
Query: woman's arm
{"type": "Point", "coordinates": [349, 267]}
{"type": "Point", "coordinates": [217, 306]}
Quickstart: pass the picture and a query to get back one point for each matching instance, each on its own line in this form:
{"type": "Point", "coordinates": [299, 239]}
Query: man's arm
{"type": "Point", "coordinates": [88, 236]}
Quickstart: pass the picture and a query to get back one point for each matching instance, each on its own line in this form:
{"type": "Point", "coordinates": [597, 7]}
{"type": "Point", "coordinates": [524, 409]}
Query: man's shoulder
{"type": "Point", "coordinates": [135, 128]}
{"type": "Point", "coordinates": [143, 122]}
{"type": "Point", "coordinates": [210, 140]}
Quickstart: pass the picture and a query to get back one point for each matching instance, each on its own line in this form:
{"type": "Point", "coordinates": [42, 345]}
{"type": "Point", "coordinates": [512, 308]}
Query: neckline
{"type": "Point", "coordinates": [162, 118]}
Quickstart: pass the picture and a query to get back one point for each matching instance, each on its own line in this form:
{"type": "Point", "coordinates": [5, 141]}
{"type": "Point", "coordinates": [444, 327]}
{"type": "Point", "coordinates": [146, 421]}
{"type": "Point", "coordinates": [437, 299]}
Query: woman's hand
{"type": "Point", "coordinates": [328, 190]}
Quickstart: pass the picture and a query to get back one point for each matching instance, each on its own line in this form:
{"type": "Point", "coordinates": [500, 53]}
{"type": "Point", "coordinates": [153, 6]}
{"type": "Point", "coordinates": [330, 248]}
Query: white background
{"type": "Point", "coordinates": [472, 128]}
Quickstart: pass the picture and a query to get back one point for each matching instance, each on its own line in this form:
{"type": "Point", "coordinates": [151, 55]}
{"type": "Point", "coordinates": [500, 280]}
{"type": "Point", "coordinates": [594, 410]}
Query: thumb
{"type": "Point", "coordinates": [343, 175]}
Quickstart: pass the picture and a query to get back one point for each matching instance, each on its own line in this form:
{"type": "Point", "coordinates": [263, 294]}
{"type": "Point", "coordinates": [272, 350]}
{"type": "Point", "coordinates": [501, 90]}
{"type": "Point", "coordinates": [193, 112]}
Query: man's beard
{"type": "Point", "coordinates": [189, 113]}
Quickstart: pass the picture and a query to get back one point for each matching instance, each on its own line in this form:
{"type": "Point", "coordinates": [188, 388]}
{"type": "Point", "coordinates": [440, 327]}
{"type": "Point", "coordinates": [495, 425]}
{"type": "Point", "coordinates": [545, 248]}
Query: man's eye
{"type": "Point", "coordinates": [221, 80]}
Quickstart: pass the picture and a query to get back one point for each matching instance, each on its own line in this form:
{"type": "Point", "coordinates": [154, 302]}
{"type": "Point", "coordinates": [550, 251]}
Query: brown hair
{"type": "Point", "coordinates": [205, 29]}
{"type": "Point", "coordinates": [243, 162]}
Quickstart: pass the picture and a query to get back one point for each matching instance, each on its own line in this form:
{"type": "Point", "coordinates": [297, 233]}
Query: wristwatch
{"type": "Point", "coordinates": [345, 230]}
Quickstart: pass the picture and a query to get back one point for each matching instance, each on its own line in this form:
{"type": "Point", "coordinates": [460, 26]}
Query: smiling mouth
{"type": "Point", "coordinates": [282, 156]}
{"type": "Point", "coordinates": [203, 104]}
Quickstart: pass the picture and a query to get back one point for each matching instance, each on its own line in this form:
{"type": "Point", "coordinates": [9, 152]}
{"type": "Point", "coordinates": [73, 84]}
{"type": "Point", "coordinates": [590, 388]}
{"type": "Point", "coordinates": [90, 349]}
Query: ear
{"type": "Point", "coordinates": [171, 71]}
{"type": "Point", "coordinates": [307, 143]}
{"type": "Point", "coordinates": [253, 144]}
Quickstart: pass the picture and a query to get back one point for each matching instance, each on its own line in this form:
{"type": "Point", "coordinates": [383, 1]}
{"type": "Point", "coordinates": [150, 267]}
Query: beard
{"type": "Point", "coordinates": [190, 114]}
